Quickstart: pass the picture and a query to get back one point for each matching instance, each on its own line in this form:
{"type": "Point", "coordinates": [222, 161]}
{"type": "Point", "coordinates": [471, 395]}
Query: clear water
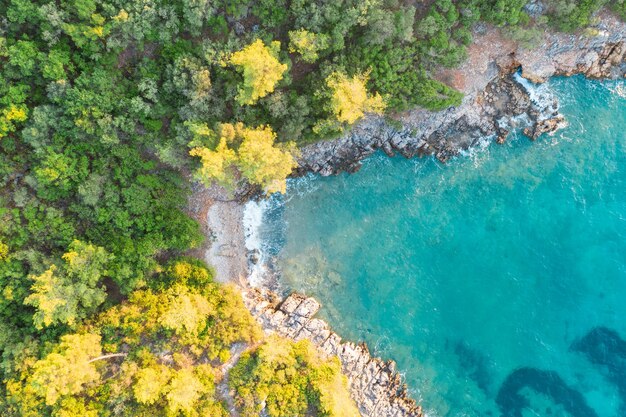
{"type": "Point", "coordinates": [496, 281]}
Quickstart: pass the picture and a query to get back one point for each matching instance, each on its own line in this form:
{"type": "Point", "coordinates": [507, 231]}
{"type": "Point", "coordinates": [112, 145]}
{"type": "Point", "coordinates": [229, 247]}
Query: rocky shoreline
{"type": "Point", "coordinates": [497, 101]}
{"type": "Point", "coordinates": [494, 102]}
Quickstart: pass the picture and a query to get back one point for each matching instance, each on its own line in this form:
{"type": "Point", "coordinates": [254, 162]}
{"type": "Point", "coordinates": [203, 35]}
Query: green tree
{"type": "Point", "coordinates": [569, 15]}
{"type": "Point", "coordinates": [504, 12]}
{"type": "Point", "coordinates": [23, 55]}
{"type": "Point", "coordinates": [69, 293]}
{"type": "Point", "coordinates": [308, 44]}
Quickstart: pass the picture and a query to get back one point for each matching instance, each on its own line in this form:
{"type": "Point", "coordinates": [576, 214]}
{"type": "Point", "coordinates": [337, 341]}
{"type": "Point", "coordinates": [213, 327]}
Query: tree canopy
{"type": "Point", "coordinates": [261, 70]}
{"type": "Point", "coordinates": [257, 159]}
{"type": "Point", "coordinates": [350, 99]}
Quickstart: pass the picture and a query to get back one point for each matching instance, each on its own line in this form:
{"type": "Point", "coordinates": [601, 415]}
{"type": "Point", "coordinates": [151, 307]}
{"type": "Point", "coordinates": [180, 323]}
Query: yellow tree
{"type": "Point", "coordinates": [261, 162]}
{"type": "Point", "coordinates": [261, 70]}
{"type": "Point", "coordinates": [184, 391]}
{"type": "Point", "coordinates": [258, 159]}
{"type": "Point", "coordinates": [4, 251]}
{"type": "Point", "coordinates": [150, 384]}
{"type": "Point", "coordinates": [216, 165]}
{"type": "Point", "coordinates": [68, 293]}
{"type": "Point", "coordinates": [186, 312]}
{"type": "Point", "coordinates": [10, 116]}
{"type": "Point", "coordinates": [68, 369]}
{"type": "Point", "coordinates": [349, 97]}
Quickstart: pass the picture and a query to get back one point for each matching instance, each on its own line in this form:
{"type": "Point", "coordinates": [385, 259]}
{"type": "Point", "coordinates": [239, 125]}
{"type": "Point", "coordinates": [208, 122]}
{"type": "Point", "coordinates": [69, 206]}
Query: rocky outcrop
{"type": "Point", "coordinates": [494, 103]}
{"type": "Point", "coordinates": [501, 106]}
{"type": "Point", "coordinates": [374, 384]}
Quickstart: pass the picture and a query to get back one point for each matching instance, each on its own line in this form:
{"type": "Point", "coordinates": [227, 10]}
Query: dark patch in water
{"type": "Point", "coordinates": [549, 383]}
{"type": "Point", "coordinates": [475, 364]}
{"type": "Point", "coordinates": [604, 347]}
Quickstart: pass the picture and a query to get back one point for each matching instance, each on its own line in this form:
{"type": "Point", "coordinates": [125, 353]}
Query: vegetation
{"type": "Point", "coordinates": [107, 106]}
{"type": "Point", "coordinates": [291, 379]}
{"type": "Point", "coordinates": [261, 70]}
{"type": "Point", "coordinates": [159, 354]}
{"type": "Point", "coordinates": [257, 160]}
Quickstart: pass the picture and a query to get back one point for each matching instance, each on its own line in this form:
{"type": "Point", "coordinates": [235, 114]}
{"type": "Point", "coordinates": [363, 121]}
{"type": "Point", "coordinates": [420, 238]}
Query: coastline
{"type": "Point", "coordinates": [492, 103]}
{"type": "Point", "coordinates": [496, 101]}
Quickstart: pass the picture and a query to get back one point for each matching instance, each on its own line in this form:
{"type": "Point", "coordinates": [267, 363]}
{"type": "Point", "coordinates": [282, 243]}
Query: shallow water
{"type": "Point", "coordinates": [496, 281]}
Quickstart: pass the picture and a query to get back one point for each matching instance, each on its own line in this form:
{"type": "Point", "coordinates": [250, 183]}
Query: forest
{"type": "Point", "coordinates": [109, 109]}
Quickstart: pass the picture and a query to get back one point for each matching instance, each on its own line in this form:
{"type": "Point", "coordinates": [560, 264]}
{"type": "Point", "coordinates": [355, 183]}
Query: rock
{"type": "Point", "coordinates": [502, 135]}
{"type": "Point", "coordinates": [227, 250]}
{"type": "Point", "coordinates": [549, 125]}
{"type": "Point", "coordinates": [254, 256]}
{"type": "Point", "coordinates": [239, 28]}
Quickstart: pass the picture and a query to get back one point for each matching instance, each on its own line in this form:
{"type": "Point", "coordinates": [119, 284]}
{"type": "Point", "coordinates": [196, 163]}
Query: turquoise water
{"type": "Point", "coordinates": [496, 281]}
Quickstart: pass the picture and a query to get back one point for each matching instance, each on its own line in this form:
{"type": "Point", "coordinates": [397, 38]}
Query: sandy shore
{"type": "Point", "coordinates": [221, 220]}
{"type": "Point", "coordinates": [227, 253]}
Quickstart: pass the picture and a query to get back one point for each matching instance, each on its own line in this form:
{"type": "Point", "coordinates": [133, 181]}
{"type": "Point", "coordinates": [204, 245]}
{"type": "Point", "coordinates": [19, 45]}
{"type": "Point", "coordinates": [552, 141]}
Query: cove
{"type": "Point", "coordinates": [496, 281]}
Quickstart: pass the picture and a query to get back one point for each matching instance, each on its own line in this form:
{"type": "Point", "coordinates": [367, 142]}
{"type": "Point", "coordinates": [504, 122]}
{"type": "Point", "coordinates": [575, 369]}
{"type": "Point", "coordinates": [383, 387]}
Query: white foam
{"type": "Point", "coordinates": [252, 221]}
{"type": "Point", "coordinates": [540, 94]}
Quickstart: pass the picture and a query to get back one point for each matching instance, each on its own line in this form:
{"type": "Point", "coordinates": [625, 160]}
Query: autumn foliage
{"type": "Point", "coordinates": [257, 158]}
{"type": "Point", "coordinates": [261, 70]}
{"type": "Point", "coordinates": [350, 98]}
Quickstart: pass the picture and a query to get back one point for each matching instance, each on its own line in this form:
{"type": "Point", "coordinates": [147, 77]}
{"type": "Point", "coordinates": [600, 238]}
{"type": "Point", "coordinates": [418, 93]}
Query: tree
{"type": "Point", "coordinates": [4, 251]}
{"type": "Point", "coordinates": [10, 115]}
{"type": "Point", "coordinates": [74, 407]}
{"type": "Point", "coordinates": [68, 369]}
{"type": "Point", "coordinates": [308, 44]}
{"type": "Point", "coordinates": [23, 55]}
{"type": "Point", "coordinates": [569, 15]}
{"type": "Point", "coordinates": [257, 158]}
{"type": "Point", "coordinates": [286, 378]}
{"type": "Point", "coordinates": [186, 312]}
{"type": "Point", "coordinates": [68, 293]}
{"type": "Point", "coordinates": [350, 99]}
{"type": "Point", "coordinates": [184, 391]}
{"type": "Point", "coordinates": [263, 163]}
{"type": "Point", "coordinates": [261, 70]}
{"type": "Point", "coordinates": [216, 165]}
{"type": "Point", "coordinates": [150, 384]}
{"type": "Point", "coordinates": [503, 12]}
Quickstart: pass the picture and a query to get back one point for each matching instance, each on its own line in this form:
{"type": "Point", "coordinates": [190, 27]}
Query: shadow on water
{"type": "Point", "coordinates": [604, 347]}
{"type": "Point", "coordinates": [601, 346]}
{"type": "Point", "coordinates": [475, 365]}
{"type": "Point", "coordinates": [512, 402]}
